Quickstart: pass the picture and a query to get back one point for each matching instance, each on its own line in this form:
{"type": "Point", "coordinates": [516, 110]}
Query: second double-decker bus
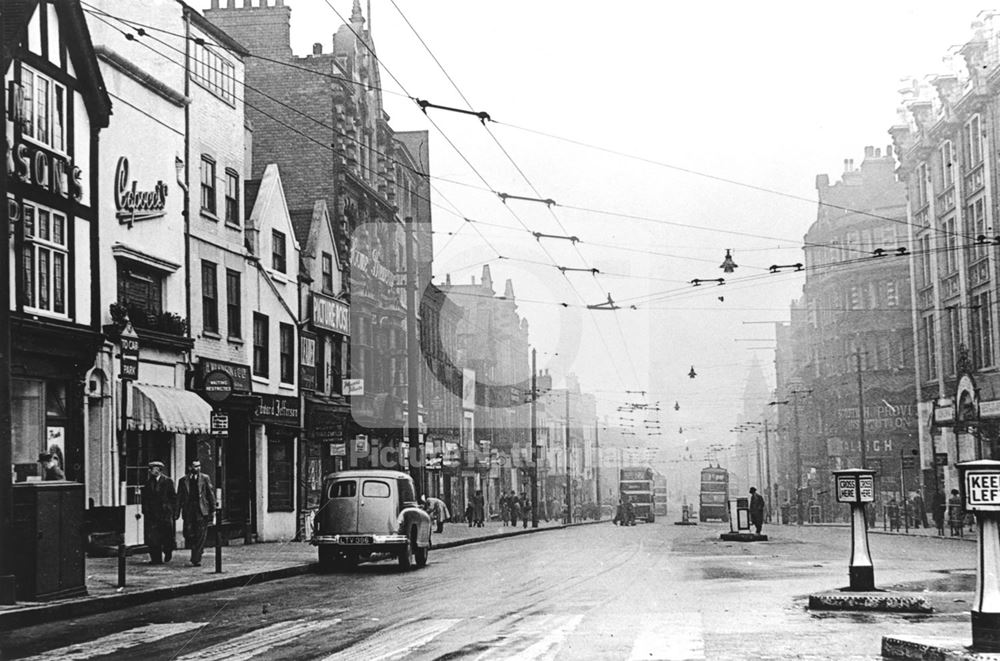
{"type": "Point", "coordinates": [714, 496]}
{"type": "Point", "coordinates": [636, 486]}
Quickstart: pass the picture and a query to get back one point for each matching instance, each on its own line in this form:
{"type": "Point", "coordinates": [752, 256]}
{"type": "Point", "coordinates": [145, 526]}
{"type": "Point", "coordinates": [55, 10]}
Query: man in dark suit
{"type": "Point", "coordinates": [756, 509]}
{"type": "Point", "coordinates": [158, 500]}
{"type": "Point", "coordinates": [196, 503]}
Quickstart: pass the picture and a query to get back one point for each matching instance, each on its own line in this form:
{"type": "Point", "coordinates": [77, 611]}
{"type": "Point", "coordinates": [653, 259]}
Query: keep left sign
{"type": "Point", "coordinates": [982, 490]}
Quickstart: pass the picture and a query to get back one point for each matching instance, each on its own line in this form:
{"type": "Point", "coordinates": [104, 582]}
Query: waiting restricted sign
{"type": "Point", "coordinates": [982, 490]}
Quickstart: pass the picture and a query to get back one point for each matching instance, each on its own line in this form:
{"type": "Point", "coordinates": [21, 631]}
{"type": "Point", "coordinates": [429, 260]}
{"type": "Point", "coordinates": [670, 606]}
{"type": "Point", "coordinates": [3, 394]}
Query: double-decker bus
{"type": "Point", "coordinates": [636, 485]}
{"type": "Point", "coordinates": [714, 495]}
{"type": "Point", "coordinates": [659, 494]}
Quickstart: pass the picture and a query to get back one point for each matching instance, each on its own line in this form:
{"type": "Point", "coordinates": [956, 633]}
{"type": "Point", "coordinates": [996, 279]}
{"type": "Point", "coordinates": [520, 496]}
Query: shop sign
{"type": "Point", "coordinates": [239, 373]}
{"type": "Point", "coordinates": [944, 414]}
{"type": "Point", "coordinates": [132, 204]}
{"type": "Point", "coordinates": [307, 361]}
{"type": "Point", "coordinates": [371, 266]}
{"type": "Point", "coordinates": [324, 423]}
{"type": "Point", "coordinates": [218, 386]}
{"type": "Point", "coordinates": [36, 167]}
{"type": "Point", "coordinates": [989, 409]}
{"type": "Point", "coordinates": [338, 449]}
{"type": "Point", "coordinates": [361, 444]}
{"type": "Point", "coordinates": [220, 423]}
{"type": "Point", "coordinates": [130, 353]}
{"type": "Point", "coordinates": [330, 314]}
{"type": "Point", "coordinates": [277, 409]}
{"type": "Point", "coordinates": [353, 387]}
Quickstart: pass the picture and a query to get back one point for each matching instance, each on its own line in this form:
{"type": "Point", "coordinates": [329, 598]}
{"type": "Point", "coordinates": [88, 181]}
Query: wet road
{"type": "Point", "coordinates": [594, 592]}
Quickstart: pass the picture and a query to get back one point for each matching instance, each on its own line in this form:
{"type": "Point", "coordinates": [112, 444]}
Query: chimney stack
{"type": "Point", "coordinates": [317, 48]}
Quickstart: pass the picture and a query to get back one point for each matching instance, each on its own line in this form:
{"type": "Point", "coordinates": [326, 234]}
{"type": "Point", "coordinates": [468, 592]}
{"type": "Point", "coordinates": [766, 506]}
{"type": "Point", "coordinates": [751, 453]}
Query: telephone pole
{"type": "Point", "coordinates": [412, 355]}
{"type": "Point", "coordinates": [861, 411]}
{"type": "Point", "coordinates": [569, 480]}
{"type": "Point", "coordinates": [534, 440]}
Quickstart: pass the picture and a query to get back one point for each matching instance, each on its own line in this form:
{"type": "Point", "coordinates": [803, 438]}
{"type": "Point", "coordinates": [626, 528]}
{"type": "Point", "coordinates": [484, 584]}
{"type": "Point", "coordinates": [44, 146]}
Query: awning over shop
{"type": "Point", "coordinates": [159, 408]}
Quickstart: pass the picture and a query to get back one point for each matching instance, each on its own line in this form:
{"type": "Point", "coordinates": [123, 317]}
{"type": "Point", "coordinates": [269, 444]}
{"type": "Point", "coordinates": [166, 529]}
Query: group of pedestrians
{"type": "Point", "coordinates": [513, 508]}
{"type": "Point", "coordinates": [162, 505]}
{"type": "Point", "coordinates": [915, 514]}
{"type": "Point", "coordinates": [475, 510]}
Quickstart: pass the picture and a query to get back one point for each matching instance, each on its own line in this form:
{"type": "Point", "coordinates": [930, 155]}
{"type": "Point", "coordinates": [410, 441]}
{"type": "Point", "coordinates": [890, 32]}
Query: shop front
{"type": "Point", "coordinates": [323, 451]}
{"type": "Point", "coordinates": [227, 387]}
{"type": "Point", "coordinates": [276, 430]}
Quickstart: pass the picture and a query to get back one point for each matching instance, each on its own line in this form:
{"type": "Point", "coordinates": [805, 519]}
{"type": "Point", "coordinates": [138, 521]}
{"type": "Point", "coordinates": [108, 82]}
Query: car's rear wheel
{"type": "Point", "coordinates": [421, 555]}
{"type": "Point", "coordinates": [406, 555]}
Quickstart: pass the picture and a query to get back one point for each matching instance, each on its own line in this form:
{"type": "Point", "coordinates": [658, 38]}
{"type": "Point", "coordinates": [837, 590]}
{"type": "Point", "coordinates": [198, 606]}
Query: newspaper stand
{"type": "Point", "coordinates": [856, 487]}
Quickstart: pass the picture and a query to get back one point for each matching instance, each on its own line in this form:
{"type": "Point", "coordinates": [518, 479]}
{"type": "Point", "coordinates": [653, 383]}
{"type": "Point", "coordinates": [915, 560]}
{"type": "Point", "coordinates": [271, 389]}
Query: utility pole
{"type": "Point", "coordinates": [767, 466]}
{"type": "Point", "coordinates": [597, 465]}
{"type": "Point", "coordinates": [798, 459]}
{"type": "Point", "coordinates": [861, 411]}
{"type": "Point", "coordinates": [7, 587]}
{"type": "Point", "coordinates": [412, 352]}
{"type": "Point", "coordinates": [534, 440]}
{"type": "Point", "coordinates": [569, 481]}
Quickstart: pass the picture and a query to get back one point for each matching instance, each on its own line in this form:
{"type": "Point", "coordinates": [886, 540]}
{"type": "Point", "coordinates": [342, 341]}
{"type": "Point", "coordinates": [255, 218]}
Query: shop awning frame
{"type": "Point", "coordinates": [165, 409]}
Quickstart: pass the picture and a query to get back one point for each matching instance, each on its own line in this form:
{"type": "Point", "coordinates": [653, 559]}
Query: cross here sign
{"type": "Point", "coordinates": [982, 490]}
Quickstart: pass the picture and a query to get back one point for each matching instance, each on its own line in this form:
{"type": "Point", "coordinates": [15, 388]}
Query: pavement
{"type": "Point", "coordinates": [241, 565]}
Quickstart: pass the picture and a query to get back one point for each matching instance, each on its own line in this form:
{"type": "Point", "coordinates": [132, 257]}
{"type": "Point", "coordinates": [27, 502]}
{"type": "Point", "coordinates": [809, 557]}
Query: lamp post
{"type": "Point", "coordinates": [798, 450]}
{"type": "Point", "coordinates": [569, 483]}
{"type": "Point", "coordinates": [534, 440]}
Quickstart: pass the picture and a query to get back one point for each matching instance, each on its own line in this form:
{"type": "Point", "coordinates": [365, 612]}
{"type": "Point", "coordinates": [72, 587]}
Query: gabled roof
{"type": "Point", "coordinates": [73, 27]}
{"type": "Point", "coordinates": [270, 192]}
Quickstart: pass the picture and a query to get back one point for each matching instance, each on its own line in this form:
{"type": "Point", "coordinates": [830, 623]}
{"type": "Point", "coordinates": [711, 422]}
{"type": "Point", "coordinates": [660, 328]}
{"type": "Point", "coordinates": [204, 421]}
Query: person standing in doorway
{"type": "Point", "coordinates": [756, 509]}
{"type": "Point", "coordinates": [196, 503]}
{"type": "Point", "coordinates": [158, 500]}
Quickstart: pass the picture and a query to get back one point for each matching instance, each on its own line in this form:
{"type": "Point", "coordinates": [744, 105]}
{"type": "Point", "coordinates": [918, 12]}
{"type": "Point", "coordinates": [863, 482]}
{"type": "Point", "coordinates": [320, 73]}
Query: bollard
{"type": "Point", "coordinates": [980, 485]}
{"type": "Point", "coordinates": [856, 487]}
{"type": "Point", "coordinates": [121, 562]}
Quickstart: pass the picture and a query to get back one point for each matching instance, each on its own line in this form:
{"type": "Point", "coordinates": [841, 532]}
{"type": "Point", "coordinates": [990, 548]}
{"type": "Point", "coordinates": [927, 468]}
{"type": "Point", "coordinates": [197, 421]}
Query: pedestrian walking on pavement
{"type": "Point", "coordinates": [158, 501]}
{"type": "Point", "coordinates": [479, 508]}
{"type": "Point", "coordinates": [756, 509]}
{"type": "Point", "coordinates": [956, 514]}
{"type": "Point", "coordinates": [938, 512]}
{"type": "Point", "coordinates": [470, 514]}
{"type": "Point", "coordinates": [893, 512]}
{"type": "Point", "coordinates": [919, 511]}
{"type": "Point", "coordinates": [525, 509]}
{"type": "Point", "coordinates": [196, 503]}
{"type": "Point", "coordinates": [515, 508]}
{"type": "Point", "coordinates": [504, 509]}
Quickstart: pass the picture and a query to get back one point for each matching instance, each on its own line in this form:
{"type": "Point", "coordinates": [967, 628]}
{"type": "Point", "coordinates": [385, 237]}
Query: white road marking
{"type": "Point", "coordinates": [116, 642]}
{"type": "Point", "coordinates": [549, 645]}
{"type": "Point", "coordinates": [671, 636]}
{"type": "Point", "coordinates": [395, 642]}
{"type": "Point", "coordinates": [260, 641]}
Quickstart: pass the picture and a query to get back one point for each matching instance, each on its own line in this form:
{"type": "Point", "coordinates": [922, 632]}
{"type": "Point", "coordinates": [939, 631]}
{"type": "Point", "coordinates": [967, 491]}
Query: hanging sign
{"type": "Point", "coordinates": [130, 353]}
{"type": "Point", "coordinates": [220, 423]}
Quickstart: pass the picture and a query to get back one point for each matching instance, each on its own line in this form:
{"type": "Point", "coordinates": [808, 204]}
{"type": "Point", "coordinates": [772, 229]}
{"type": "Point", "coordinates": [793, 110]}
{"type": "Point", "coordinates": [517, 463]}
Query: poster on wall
{"type": "Point", "coordinates": [55, 444]}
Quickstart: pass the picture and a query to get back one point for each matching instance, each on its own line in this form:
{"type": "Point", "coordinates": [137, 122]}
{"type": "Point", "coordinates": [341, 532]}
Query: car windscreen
{"type": "Point", "coordinates": [343, 489]}
{"type": "Point", "coordinates": [375, 489]}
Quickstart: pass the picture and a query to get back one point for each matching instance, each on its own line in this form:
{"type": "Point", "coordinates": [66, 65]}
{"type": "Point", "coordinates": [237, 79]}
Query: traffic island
{"type": "Point", "coordinates": [742, 537]}
{"type": "Point", "coordinates": [877, 600]}
{"type": "Point", "coordinates": [939, 649]}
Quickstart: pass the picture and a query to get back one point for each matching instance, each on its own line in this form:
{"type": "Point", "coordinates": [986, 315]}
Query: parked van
{"type": "Point", "coordinates": [365, 514]}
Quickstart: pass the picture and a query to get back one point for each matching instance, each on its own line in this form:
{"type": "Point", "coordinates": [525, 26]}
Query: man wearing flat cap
{"type": "Point", "coordinates": [158, 501]}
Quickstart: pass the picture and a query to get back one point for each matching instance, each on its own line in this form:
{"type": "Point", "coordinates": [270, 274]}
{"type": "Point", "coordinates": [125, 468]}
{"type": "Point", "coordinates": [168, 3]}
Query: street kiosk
{"type": "Point", "coordinates": [856, 487]}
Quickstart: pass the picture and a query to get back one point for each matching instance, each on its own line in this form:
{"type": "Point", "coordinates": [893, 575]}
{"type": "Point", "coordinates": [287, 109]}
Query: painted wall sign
{"type": "Point", "coordinates": [353, 386]}
{"type": "Point", "coordinates": [982, 490]}
{"type": "Point", "coordinates": [37, 167]}
{"type": "Point", "coordinates": [371, 266]}
{"type": "Point", "coordinates": [330, 314]}
{"type": "Point", "coordinates": [240, 373]}
{"type": "Point", "coordinates": [133, 204]}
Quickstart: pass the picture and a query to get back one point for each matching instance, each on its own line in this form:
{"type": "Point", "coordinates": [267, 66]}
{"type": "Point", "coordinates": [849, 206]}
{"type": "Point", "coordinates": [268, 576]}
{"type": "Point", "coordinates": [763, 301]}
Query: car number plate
{"type": "Point", "coordinates": [355, 539]}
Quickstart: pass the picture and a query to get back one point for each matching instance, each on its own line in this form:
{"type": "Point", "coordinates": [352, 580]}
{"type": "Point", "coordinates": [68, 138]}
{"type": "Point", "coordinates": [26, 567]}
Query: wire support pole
{"type": "Point", "coordinates": [534, 438]}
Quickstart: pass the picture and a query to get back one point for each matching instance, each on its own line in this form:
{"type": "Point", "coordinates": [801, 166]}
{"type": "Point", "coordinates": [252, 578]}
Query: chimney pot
{"type": "Point", "coordinates": [317, 48]}
{"type": "Point", "coordinates": [215, 4]}
{"type": "Point", "coordinates": [869, 152]}
{"type": "Point", "coordinates": [888, 151]}
{"type": "Point", "coordinates": [878, 152]}
{"type": "Point", "coordinates": [847, 165]}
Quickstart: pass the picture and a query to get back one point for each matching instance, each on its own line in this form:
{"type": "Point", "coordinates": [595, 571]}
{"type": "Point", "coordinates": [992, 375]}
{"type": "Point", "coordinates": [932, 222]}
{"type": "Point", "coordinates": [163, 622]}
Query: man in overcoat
{"type": "Point", "coordinates": [196, 503]}
{"type": "Point", "coordinates": [756, 509]}
{"type": "Point", "coordinates": [158, 501]}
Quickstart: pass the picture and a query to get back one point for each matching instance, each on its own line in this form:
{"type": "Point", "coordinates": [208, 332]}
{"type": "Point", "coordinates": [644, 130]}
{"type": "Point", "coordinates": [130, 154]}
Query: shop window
{"type": "Point", "coordinates": [234, 311]}
{"type": "Point", "coordinates": [207, 184]}
{"type": "Point", "coordinates": [280, 464]}
{"type": "Point", "coordinates": [260, 355]}
{"type": "Point", "coordinates": [286, 347]}
{"type": "Point", "coordinates": [209, 297]}
{"type": "Point", "coordinates": [39, 420]}
{"type": "Point", "coordinates": [278, 251]}
{"type": "Point", "coordinates": [45, 259]}
{"type": "Point", "coordinates": [232, 197]}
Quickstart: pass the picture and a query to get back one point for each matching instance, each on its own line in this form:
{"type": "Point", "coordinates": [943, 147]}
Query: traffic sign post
{"type": "Point", "coordinates": [856, 487]}
{"type": "Point", "coordinates": [980, 486]}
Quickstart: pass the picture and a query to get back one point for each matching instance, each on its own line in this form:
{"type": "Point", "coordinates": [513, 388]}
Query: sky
{"type": "Point", "coordinates": [712, 102]}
